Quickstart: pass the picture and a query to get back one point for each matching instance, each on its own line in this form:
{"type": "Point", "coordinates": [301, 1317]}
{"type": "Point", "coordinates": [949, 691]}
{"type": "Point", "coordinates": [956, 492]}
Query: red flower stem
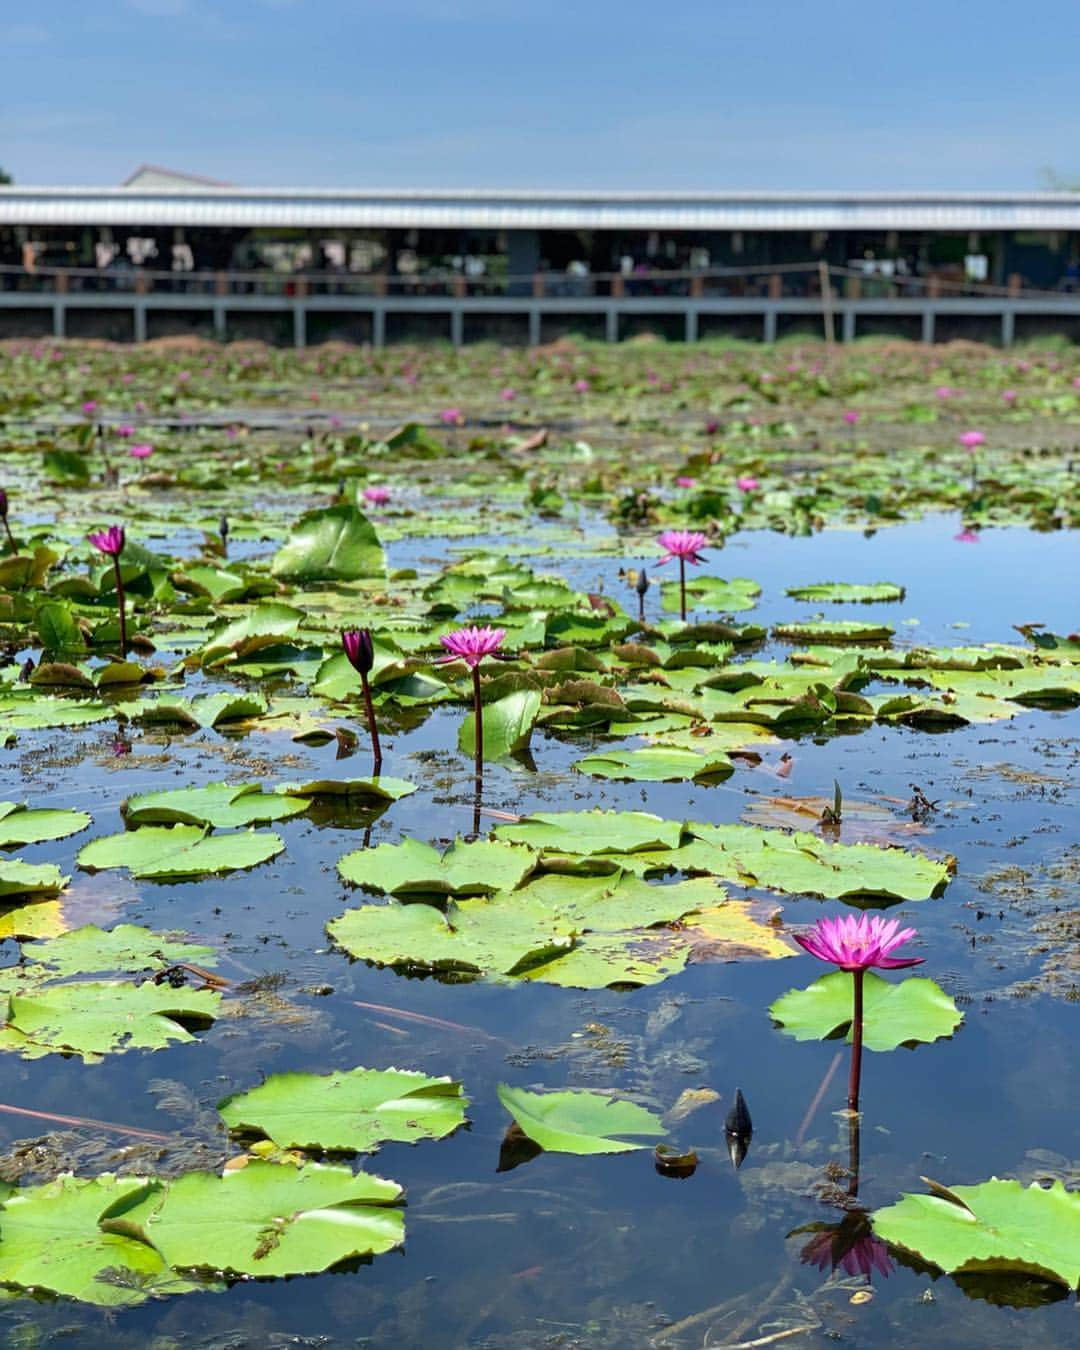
{"type": "Point", "coordinates": [369, 709]}
{"type": "Point", "coordinates": [120, 606]}
{"type": "Point", "coordinates": [10, 537]}
{"type": "Point", "coordinates": [478, 747]}
{"type": "Point", "coordinates": [682, 587]}
{"type": "Point", "coordinates": [856, 1042]}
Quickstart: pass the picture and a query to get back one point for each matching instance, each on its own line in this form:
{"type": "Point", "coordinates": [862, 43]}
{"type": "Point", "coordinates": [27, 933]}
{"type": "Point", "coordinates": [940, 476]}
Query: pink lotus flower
{"type": "Point", "coordinates": [141, 451]}
{"type": "Point", "coordinates": [125, 430]}
{"type": "Point", "coordinates": [126, 378]}
{"type": "Point", "coordinates": [859, 944]}
{"type": "Point", "coordinates": [508, 395]}
{"type": "Point", "coordinates": [747, 483]}
{"type": "Point", "coordinates": [452, 417]}
{"type": "Point", "coordinates": [851, 417]}
{"type": "Point", "coordinates": [89, 407]}
{"type": "Point", "coordinates": [110, 541]}
{"type": "Point", "coordinates": [967, 537]}
{"type": "Point", "coordinates": [971, 440]}
{"type": "Point", "coordinates": [581, 386]}
{"type": "Point", "coordinates": [471, 645]}
{"type": "Point", "coordinates": [682, 544]}
{"type": "Point", "coordinates": [1009, 395]}
{"type": "Point", "coordinates": [684, 482]}
{"type": "Point", "coordinates": [378, 496]}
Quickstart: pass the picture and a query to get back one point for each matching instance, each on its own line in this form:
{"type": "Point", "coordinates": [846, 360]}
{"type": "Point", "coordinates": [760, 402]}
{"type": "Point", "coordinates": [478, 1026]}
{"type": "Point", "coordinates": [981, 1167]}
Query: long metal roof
{"type": "Point", "coordinates": [329, 208]}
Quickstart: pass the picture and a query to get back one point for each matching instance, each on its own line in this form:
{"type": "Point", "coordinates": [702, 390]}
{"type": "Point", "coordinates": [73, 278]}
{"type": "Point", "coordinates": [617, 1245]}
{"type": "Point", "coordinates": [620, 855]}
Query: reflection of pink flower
{"type": "Point", "coordinates": [471, 645]}
{"type": "Point", "coordinates": [851, 417]}
{"type": "Point", "coordinates": [827, 1251]}
{"type": "Point", "coordinates": [967, 536]}
{"type": "Point", "coordinates": [378, 496]}
{"type": "Point", "coordinates": [859, 943]}
{"type": "Point", "coordinates": [971, 440]}
{"type": "Point", "coordinates": [747, 483]}
{"type": "Point", "coordinates": [682, 544]}
{"type": "Point", "coordinates": [581, 386]}
{"type": "Point", "coordinates": [452, 417]}
{"type": "Point", "coordinates": [141, 451]}
{"type": "Point", "coordinates": [684, 482]}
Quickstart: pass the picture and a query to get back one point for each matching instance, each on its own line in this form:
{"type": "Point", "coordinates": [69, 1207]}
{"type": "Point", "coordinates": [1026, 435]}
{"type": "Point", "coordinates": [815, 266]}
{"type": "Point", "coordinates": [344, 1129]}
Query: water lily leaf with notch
{"type": "Point", "coordinates": [847, 592]}
{"type": "Point", "coordinates": [350, 1111]}
{"type": "Point", "coordinates": [37, 713]}
{"type": "Point", "coordinates": [91, 950]}
{"type": "Point", "coordinates": [18, 878]}
{"type": "Point", "coordinates": [656, 764]}
{"type": "Point", "coordinates": [222, 805]}
{"type": "Point", "coordinates": [727, 597]}
{"type": "Point", "coordinates": [337, 680]}
{"type": "Point", "coordinates": [381, 788]}
{"type": "Point", "coordinates": [23, 825]}
{"type": "Point", "coordinates": [585, 832]}
{"type": "Point", "coordinates": [57, 629]}
{"type": "Point", "coordinates": [833, 630]}
{"type": "Point", "coordinates": [52, 1240]}
{"type": "Point", "coordinates": [580, 1122]}
{"type": "Point", "coordinates": [507, 722]}
{"type": "Point", "coordinates": [993, 1226]}
{"type": "Point", "coordinates": [337, 543]}
{"type": "Point", "coordinates": [178, 851]}
{"type": "Point", "coordinates": [97, 1018]}
{"type": "Point", "coordinates": [415, 868]}
{"type": "Point", "coordinates": [914, 1009]}
{"type": "Point", "coordinates": [268, 1219]}
{"type": "Point", "coordinates": [206, 711]}
{"type": "Point", "coordinates": [260, 626]}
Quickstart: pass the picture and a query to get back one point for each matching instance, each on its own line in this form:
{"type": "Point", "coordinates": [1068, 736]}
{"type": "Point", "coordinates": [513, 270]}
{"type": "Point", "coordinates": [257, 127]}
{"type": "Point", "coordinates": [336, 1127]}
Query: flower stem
{"type": "Point", "coordinates": [682, 588]}
{"type": "Point", "coordinates": [10, 538]}
{"type": "Point", "coordinates": [373, 730]}
{"type": "Point", "coordinates": [120, 606]}
{"type": "Point", "coordinates": [478, 747]}
{"type": "Point", "coordinates": [856, 1041]}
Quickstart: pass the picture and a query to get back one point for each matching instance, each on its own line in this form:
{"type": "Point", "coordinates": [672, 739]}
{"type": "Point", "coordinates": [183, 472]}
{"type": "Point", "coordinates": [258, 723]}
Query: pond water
{"type": "Point", "coordinates": [603, 1251]}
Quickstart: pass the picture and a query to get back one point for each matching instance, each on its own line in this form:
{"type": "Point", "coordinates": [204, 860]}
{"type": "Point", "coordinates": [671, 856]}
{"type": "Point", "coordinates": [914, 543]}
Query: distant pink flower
{"type": "Point", "coordinates": [89, 407]}
{"type": "Point", "coordinates": [682, 544]}
{"type": "Point", "coordinates": [452, 417]}
{"type": "Point", "coordinates": [126, 378]}
{"type": "Point", "coordinates": [335, 422]}
{"type": "Point", "coordinates": [943, 391]}
{"type": "Point", "coordinates": [684, 482]}
{"type": "Point", "coordinates": [140, 407]}
{"type": "Point", "coordinates": [1076, 381]}
{"type": "Point", "coordinates": [971, 440]}
{"type": "Point", "coordinates": [125, 430]}
{"type": "Point", "coordinates": [508, 395]}
{"type": "Point", "coordinates": [471, 645]}
{"type": "Point", "coordinates": [183, 376]}
{"type": "Point", "coordinates": [747, 483]}
{"type": "Point", "coordinates": [232, 433]}
{"type": "Point", "coordinates": [967, 537]}
{"type": "Point", "coordinates": [1009, 395]}
{"type": "Point", "coordinates": [378, 496]}
{"type": "Point", "coordinates": [1023, 367]}
{"type": "Point", "coordinates": [858, 943]}
{"type": "Point", "coordinates": [851, 417]}
{"type": "Point", "coordinates": [110, 541]}
{"type": "Point", "coordinates": [712, 426]}
{"type": "Point", "coordinates": [581, 386]}
{"type": "Point", "coordinates": [141, 451]}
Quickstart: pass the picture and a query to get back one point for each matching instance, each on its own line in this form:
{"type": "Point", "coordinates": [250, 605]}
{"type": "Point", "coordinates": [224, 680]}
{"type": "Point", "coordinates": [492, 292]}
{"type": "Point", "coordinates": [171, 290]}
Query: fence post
{"type": "Point", "coordinates": [776, 286]}
{"type": "Point", "coordinates": [1015, 282]}
{"type": "Point", "coordinates": [538, 285]}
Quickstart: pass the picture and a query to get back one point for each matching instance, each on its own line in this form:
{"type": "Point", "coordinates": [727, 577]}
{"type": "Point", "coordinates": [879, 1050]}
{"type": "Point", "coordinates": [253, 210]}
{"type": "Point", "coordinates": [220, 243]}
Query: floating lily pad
{"type": "Point", "coordinates": [379, 789]}
{"type": "Point", "coordinates": [508, 724]}
{"type": "Point", "coordinates": [219, 804]}
{"type": "Point", "coordinates": [656, 764]}
{"type": "Point", "coordinates": [22, 879]}
{"type": "Point", "coordinates": [592, 831]}
{"type": "Point", "coordinates": [727, 597]}
{"type": "Point", "coordinates": [415, 868]}
{"type": "Point", "coordinates": [269, 1219]}
{"type": "Point", "coordinates": [833, 630]}
{"type": "Point", "coordinates": [840, 592]}
{"type": "Point", "coordinates": [580, 1122]}
{"type": "Point", "coordinates": [353, 1111]}
{"type": "Point", "coordinates": [21, 825]}
{"type": "Point", "coordinates": [335, 544]}
{"type": "Point", "coordinates": [178, 851]}
{"type": "Point", "coordinates": [993, 1226]}
{"type": "Point", "coordinates": [913, 1009]}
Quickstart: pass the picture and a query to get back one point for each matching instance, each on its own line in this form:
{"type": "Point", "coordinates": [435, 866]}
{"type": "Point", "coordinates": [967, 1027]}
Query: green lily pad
{"type": "Point", "coordinates": [592, 831]}
{"type": "Point", "coordinates": [269, 1219]}
{"type": "Point", "coordinates": [728, 597]}
{"type": "Point", "coordinates": [847, 592]}
{"type": "Point", "coordinates": [335, 544]}
{"type": "Point", "coordinates": [219, 804]}
{"type": "Point", "coordinates": [91, 950]}
{"type": "Point", "coordinates": [993, 1226]}
{"type": "Point", "coordinates": [580, 1122]}
{"type": "Point", "coordinates": [21, 825]}
{"type": "Point", "coordinates": [21, 879]}
{"type": "Point", "coordinates": [508, 724]}
{"type": "Point", "coordinates": [914, 1009]}
{"type": "Point", "coordinates": [380, 789]}
{"type": "Point", "coordinates": [179, 851]}
{"type": "Point", "coordinates": [415, 868]}
{"type": "Point", "coordinates": [655, 764]}
{"type": "Point", "coordinates": [353, 1111]}
{"type": "Point", "coordinates": [264, 625]}
{"type": "Point", "coordinates": [39, 713]}
{"type": "Point", "coordinates": [833, 630]}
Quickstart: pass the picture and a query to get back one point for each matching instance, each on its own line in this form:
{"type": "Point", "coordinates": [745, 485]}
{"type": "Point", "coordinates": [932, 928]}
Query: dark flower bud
{"type": "Point", "coordinates": [642, 582]}
{"type": "Point", "coordinates": [359, 649]}
{"type": "Point", "coordinates": [3, 504]}
{"type": "Point", "coordinates": [223, 527]}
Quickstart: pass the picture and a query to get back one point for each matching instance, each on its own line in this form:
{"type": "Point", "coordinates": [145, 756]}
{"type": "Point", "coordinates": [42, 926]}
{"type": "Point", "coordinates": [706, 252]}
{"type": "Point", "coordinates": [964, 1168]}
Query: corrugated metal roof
{"type": "Point", "coordinates": [317, 208]}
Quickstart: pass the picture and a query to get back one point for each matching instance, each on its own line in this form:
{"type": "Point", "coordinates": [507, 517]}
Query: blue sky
{"type": "Point", "coordinates": [690, 94]}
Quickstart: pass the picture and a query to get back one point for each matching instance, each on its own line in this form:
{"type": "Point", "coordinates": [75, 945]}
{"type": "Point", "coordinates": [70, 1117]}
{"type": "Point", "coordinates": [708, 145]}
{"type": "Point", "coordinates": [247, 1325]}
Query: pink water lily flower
{"type": "Point", "coordinates": [861, 1258]}
{"type": "Point", "coordinates": [967, 537]}
{"type": "Point", "coordinates": [471, 645]}
{"type": "Point", "coordinates": [581, 386]}
{"type": "Point", "coordinates": [859, 943]}
{"type": "Point", "coordinates": [110, 541]}
{"type": "Point", "coordinates": [943, 391]}
{"type": "Point", "coordinates": [125, 430]}
{"type": "Point", "coordinates": [712, 426]}
{"type": "Point", "coordinates": [971, 440]}
{"type": "Point", "coordinates": [508, 395]}
{"type": "Point", "coordinates": [452, 417]}
{"type": "Point", "coordinates": [141, 451]}
{"type": "Point", "coordinates": [851, 417]}
{"type": "Point", "coordinates": [1009, 395]}
{"type": "Point", "coordinates": [89, 407]}
{"type": "Point", "coordinates": [378, 496]}
{"type": "Point", "coordinates": [685, 545]}
{"type": "Point", "coordinates": [747, 483]}
{"type": "Point", "coordinates": [683, 481]}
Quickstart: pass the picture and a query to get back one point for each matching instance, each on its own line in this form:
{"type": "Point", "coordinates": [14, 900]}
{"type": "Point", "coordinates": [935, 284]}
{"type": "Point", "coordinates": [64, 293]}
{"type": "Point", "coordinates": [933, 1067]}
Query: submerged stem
{"type": "Point", "coordinates": [478, 747]}
{"type": "Point", "coordinates": [373, 729]}
{"type": "Point", "coordinates": [121, 606]}
{"type": "Point", "coordinates": [856, 1041]}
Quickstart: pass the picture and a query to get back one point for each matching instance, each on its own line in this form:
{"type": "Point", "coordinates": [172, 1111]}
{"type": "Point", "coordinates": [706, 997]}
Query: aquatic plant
{"type": "Point", "coordinates": [686, 545]}
{"type": "Point", "coordinates": [4, 517]}
{"type": "Point", "coordinates": [471, 645]}
{"type": "Point", "coordinates": [361, 653]}
{"type": "Point", "coordinates": [111, 543]}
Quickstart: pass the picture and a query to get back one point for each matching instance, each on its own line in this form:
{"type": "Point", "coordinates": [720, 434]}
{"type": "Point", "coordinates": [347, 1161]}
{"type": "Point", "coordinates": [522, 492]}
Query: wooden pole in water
{"type": "Point", "coordinates": [827, 303]}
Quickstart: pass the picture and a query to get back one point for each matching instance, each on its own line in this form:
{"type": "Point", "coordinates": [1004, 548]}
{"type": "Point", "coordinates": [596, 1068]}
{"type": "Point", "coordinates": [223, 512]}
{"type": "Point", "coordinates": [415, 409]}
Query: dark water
{"type": "Point", "coordinates": [602, 1251]}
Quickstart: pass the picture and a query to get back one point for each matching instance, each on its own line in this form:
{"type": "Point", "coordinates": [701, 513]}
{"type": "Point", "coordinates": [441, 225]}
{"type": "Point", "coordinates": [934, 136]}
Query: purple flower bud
{"type": "Point", "coordinates": [359, 649]}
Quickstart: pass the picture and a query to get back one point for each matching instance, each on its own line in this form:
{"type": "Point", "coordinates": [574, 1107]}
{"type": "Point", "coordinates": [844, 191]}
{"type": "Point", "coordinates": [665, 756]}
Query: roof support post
{"type": "Point", "coordinates": [611, 324]}
{"type": "Point", "coordinates": [140, 320]}
{"type": "Point", "coordinates": [299, 324]}
{"type": "Point", "coordinates": [928, 326]}
{"type": "Point", "coordinates": [59, 315]}
{"type": "Point", "coordinates": [847, 325]}
{"type": "Point", "coordinates": [1008, 327]}
{"type": "Point", "coordinates": [457, 326]}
